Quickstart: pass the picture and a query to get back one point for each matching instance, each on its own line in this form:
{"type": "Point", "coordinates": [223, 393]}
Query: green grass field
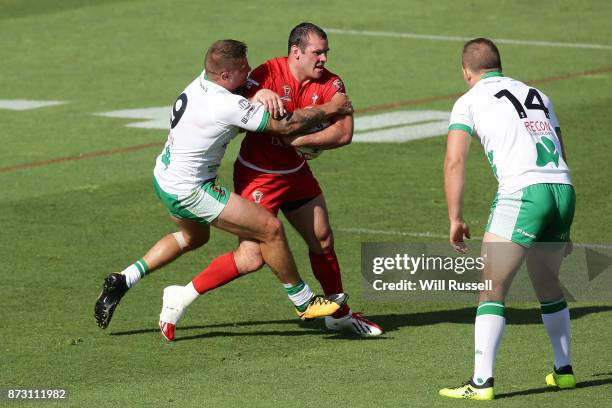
{"type": "Point", "coordinates": [65, 224]}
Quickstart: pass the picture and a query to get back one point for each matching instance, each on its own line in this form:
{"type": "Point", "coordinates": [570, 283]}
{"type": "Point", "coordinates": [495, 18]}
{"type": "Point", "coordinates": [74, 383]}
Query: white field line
{"type": "Point", "coordinates": [396, 233]}
{"type": "Point", "coordinates": [435, 235]}
{"type": "Point", "coordinates": [26, 104]}
{"type": "Point", "coordinates": [464, 39]}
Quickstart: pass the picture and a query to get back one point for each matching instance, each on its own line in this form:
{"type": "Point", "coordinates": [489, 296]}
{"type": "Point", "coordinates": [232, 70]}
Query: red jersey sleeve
{"type": "Point", "coordinates": [332, 86]}
{"type": "Point", "coordinates": [257, 80]}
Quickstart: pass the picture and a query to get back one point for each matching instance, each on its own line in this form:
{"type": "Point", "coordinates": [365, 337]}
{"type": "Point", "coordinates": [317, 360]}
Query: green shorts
{"type": "Point", "coordinates": [202, 205]}
{"type": "Point", "coordinates": [536, 213]}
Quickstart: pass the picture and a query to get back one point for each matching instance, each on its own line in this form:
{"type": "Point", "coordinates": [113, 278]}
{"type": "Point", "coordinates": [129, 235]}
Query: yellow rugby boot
{"type": "Point", "coordinates": [563, 378]}
{"type": "Point", "coordinates": [320, 306]}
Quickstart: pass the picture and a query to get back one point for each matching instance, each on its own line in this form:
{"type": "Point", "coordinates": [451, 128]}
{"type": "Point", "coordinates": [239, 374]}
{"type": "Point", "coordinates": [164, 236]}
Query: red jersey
{"type": "Point", "coordinates": [265, 152]}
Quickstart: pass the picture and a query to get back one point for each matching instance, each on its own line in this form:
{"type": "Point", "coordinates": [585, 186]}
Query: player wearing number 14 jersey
{"type": "Point", "coordinates": [272, 173]}
{"type": "Point", "coordinates": [531, 215]}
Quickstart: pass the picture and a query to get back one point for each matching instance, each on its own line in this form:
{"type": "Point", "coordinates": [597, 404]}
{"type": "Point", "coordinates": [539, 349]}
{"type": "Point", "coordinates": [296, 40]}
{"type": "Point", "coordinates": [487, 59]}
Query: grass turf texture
{"type": "Point", "coordinates": [66, 225]}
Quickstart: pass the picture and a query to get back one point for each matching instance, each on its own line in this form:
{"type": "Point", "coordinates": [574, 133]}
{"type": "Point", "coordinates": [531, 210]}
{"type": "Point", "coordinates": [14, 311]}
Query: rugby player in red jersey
{"type": "Point", "coordinates": [270, 170]}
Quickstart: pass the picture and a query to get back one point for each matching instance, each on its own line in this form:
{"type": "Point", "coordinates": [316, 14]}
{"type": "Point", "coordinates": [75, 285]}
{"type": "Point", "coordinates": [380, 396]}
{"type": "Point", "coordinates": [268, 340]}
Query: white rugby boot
{"type": "Point", "coordinates": [353, 323]}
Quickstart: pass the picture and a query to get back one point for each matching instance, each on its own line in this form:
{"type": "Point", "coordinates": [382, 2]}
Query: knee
{"type": "Point", "coordinates": [189, 242]}
{"type": "Point", "coordinates": [273, 229]}
{"type": "Point", "coordinates": [248, 259]}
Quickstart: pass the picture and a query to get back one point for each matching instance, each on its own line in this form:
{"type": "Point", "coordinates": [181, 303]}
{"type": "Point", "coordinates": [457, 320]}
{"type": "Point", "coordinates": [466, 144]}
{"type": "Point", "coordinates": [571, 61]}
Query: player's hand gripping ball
{"type": "Point", "coordinates": [309, 153]}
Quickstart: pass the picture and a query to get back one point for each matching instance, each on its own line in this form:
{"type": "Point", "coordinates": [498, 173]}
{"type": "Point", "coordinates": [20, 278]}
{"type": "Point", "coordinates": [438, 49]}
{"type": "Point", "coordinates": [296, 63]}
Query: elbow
{"type": "Point", "coordinates": [345, 139]}
{"type": "Point", "coordinates": [453, 165]}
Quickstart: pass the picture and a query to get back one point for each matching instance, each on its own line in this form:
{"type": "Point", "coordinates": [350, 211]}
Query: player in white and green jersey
{"type": "Point", "coordinates": [531, 214]}
{"type": "Point", "coordinates": [205, 117]}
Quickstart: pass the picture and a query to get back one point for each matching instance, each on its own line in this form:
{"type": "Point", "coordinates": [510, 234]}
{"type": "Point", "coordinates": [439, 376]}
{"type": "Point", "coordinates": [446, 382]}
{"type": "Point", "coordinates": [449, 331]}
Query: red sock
{"type": "Point", "coordinates": [220, 271]}
{"type": "Point", "coordinates": [327, 271]}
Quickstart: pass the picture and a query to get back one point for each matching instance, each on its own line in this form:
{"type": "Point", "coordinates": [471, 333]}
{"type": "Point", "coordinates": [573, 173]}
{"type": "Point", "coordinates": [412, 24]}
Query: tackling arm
{"type": "Point", "coordinates": [271, 102]}
{"type": "Point", "coordinates": [457, 149]}
{"type": "Point", "coordinates": [301, 120]}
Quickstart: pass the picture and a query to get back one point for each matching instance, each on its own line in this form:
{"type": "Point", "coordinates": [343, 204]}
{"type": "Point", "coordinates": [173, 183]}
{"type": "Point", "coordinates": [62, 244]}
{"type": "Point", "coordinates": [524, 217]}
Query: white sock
{"type": "Point", "coordinates": [558, 327]}
{"type": "Point", "coordinates": [190, 294]}
{"type": "Point", "coordinates": [135, 272]}
{"type": "Point", "coordinates": [488, 332]}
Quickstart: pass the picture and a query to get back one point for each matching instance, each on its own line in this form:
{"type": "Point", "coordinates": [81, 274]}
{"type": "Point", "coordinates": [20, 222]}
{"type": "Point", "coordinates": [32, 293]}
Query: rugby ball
{"type": "Point", "coordinates": [309, 153]}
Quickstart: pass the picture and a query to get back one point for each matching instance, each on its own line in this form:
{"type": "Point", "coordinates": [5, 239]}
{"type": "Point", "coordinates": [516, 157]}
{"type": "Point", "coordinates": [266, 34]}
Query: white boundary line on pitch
{"type": "Point", "coordinates": [464, 39]}
{"type": "Point", "coordinates": [435, 235]}
{"type": "Point", "coordinates": [397, 233]}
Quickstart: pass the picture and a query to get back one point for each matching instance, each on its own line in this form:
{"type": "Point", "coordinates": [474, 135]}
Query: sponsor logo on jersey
{"type": "Point", "coordinates": [257, 196]}
{"type": "Point", "coordinates": [244, 104]}
{"type": "Point", "coordinates": [525, 233]}
{"type": "Point", "coordinates": [547, 152]}
{"type": "Point", "coordinates": [248, 115]}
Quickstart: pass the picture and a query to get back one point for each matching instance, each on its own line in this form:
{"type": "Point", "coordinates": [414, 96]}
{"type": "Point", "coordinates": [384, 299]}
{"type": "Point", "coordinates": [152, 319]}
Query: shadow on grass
{"type": "Point", "coordinates": [212, 334]}
{"type": "Point", "coordinates": [466, 315]}
{"type": "Point", "coordinates": [390, 322]}
{"type": "Point", "coordinates": [542, 390]}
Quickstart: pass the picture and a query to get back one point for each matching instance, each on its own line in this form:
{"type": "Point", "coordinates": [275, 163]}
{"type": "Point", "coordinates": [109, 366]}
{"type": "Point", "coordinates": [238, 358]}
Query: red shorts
{"type": "Point", "coordinates": [276, 191]}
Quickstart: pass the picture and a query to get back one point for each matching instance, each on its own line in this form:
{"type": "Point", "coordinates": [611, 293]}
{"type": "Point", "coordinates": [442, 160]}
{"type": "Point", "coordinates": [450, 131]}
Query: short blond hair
{"type": "Point", "coordinates": [224, 55]}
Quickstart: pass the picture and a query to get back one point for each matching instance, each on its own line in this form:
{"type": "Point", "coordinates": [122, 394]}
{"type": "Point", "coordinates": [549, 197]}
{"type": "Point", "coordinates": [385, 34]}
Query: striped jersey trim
{"type": "Point", "coordinates": [461, 126]}
{"type": "Point", "coordinates": [264, 122]}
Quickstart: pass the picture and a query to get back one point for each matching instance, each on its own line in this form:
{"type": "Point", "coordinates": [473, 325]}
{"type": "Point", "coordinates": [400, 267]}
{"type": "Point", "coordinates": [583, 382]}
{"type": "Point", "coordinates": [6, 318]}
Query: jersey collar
{"type": "Point", "coordinates": [492, 74]}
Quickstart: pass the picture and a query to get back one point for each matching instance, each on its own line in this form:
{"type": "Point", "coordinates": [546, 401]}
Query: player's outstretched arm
{"type": "Point", "coordinates": [457, 149]}
{"type": "Point", "coordinates": [301, 120]}
{"type": "Point", "coordinates": [271, 102]}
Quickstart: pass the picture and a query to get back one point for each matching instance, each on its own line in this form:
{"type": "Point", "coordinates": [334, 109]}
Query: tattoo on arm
{"type": "Point", "coordinates": [307, 118]}
{"type": "Point", "coordinates": [296, 122]}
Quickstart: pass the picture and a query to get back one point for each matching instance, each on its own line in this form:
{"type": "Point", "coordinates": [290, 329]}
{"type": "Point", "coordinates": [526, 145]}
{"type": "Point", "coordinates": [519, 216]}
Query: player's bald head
{"type": "Point", "coordinates": [225, 55]}
{"type": "Point", "coordinates": [300, 33]}
{"type": "Point", "coordinates": [481, 54]}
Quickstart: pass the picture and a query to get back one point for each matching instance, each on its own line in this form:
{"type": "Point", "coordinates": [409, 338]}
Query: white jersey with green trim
{"type": "Point", "coordinates": [517, 126]}
{"type": "Point", "coordinates": [204, 119]}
